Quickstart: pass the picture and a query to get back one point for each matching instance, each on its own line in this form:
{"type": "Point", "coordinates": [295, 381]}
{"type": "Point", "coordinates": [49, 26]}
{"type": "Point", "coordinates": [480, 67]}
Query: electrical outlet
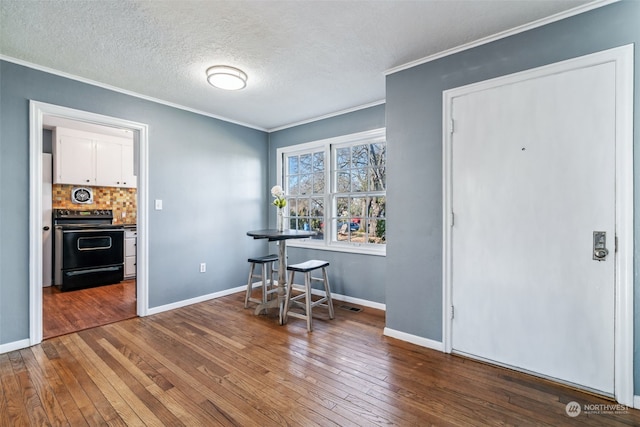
{"type": "Point", "coordinates": [203, 267]}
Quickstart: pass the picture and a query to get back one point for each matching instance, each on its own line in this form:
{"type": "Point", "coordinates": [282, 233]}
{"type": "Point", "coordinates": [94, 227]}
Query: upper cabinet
{"type": "Point", "coordinates": [85, 158]}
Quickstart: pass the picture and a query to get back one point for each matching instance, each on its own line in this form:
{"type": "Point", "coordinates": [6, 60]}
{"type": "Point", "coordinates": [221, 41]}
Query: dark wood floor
{"type": "Point", "coordinates": [215, 363]}
{"type": "Point", "coordinates": [72, 311]}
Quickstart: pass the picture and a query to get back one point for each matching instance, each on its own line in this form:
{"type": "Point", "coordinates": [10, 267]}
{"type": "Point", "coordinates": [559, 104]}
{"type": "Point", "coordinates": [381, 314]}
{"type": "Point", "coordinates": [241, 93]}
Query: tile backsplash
{"type": "Point", "coordinates": [120, 200]}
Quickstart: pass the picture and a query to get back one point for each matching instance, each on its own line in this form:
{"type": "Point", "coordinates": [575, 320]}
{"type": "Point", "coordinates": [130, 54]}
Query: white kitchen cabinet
{"type": "Point", "coordinates": [114, 163]}
{"type": "Point", "coordinates": [73, 157]}
{"type": "Point", "coordinates": [85, 158]}
{"type": "Point", "coordinates": [130, 242]}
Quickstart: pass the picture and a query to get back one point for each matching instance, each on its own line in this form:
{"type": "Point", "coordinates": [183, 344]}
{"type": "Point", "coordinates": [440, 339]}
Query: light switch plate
{"type": "Point", "coordinates": [158, 204]}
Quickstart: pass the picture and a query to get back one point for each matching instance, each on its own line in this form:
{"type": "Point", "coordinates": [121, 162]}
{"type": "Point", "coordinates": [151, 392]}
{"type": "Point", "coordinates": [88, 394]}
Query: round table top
{"type": "Point", "coordinates": [274, 234]}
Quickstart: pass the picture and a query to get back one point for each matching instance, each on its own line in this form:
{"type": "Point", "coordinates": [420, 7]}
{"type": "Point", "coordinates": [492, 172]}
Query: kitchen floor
{"type": "Point", "coordinates": [67, 312]}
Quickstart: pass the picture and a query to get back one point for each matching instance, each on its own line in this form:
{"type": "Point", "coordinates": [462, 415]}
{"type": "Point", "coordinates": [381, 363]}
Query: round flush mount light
{"type": "Point", "coordinates": [226, 77]}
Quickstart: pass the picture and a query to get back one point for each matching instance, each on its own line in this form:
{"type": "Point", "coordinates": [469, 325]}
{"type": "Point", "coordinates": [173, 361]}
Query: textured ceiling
{"type": "Point", "coordinates": [304, 59]}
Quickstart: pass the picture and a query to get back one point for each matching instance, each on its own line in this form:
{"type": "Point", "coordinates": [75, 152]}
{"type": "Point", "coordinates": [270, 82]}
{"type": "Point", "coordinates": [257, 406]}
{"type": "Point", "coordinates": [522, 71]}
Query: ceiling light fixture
{"type": "Point", "coordinates": [226, 77]}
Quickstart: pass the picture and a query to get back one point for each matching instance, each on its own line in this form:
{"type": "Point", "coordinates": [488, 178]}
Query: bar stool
{"type": "Point", "coordinates": [266, 281]}
{"type": "Point", "coordinates": [307, 268]}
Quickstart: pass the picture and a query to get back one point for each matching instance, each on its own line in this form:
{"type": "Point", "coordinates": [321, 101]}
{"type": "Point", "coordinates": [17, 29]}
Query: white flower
{"type": "Point", "coordinates": [277, 191]}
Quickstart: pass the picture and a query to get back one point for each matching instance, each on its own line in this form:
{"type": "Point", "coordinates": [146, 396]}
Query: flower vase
{"type": "Point", "coordinates": [280, 218]}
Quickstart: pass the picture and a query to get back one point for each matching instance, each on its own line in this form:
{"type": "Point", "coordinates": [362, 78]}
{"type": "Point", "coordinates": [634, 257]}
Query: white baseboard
{"type": "Point", "coordinates": [242, 288]}
{"type": "Point", "coordinates": [352, 300]}
{"type": "Point", "coordinates": [414, 339]}
{"type": "Point", "coordinates": [345, 298]}
{"type": "Point", "coordinates": [16, 345]}
{"type": "Point", "coordinates": [184, 303]}
{"type": "Point", "coordinates": [636, 402]}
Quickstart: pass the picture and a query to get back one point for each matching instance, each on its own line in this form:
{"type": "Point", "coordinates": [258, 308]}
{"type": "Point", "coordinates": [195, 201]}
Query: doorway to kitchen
{"type": "Point", "coordinates": [126, 211]}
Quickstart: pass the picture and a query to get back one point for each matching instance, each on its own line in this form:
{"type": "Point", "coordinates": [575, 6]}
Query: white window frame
{"type": "Point", "coordinates": [327, 145]}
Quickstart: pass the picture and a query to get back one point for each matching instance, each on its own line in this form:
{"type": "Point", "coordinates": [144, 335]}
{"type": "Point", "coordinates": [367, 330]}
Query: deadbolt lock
{"type": "Point", "coordinates": [600, 250]}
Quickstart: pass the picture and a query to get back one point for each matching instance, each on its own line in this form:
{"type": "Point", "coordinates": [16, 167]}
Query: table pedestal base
{"type": "Point", "coordinates": [281, 285]}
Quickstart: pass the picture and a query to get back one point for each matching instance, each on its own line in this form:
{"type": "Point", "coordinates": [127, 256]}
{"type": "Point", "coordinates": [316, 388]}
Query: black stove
{"type": "Point", "coordinates": [88, 248]}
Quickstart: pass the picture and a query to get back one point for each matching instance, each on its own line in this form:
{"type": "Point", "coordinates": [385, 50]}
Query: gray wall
{"type": "Point", "coordinates": [355, 275]}
{"type": "Point", "coordinates": [414, 129]}
{"type": "Point", "coordinates": [210, 174]}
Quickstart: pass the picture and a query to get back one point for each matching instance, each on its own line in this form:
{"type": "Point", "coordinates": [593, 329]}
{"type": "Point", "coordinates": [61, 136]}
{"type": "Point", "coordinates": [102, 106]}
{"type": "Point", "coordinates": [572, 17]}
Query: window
{"type": "Point", "coordinates": [337, 187]}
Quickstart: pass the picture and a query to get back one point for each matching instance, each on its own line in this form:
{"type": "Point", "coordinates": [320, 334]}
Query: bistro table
{"type": "Point", "coordinates": [274, 235]}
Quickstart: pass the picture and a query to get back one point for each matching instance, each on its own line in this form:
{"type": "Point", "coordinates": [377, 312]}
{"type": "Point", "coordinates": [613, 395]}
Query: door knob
{"type": "Point", "coordinates": [45, 228]}
{"type": "Point", "coordinates": [600, 254]}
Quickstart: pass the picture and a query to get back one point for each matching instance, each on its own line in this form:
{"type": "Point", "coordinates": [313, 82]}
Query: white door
{"type": "Point", "coordinates": [533, 176]}
{"type": "Point", "coordinates": [47, 220]}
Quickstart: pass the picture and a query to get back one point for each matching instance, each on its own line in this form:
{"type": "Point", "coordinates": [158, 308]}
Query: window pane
{"type": "Point", "coordinates": [342, 158]}
{"type": "Point", "coordinates": [303, 207]}
{"type": "Point", "coordinates": [317, 225]}
{"type": "Point", "coordinates": [292, 186]}
{"type": "Point", "coordinates": [377, 207]}
{"type": "Point", "coordinates": [360, 156]}
{"type": "Point", "coordinates": [305, 163]}
{"type": "Point", "coordinates": [293, 165]}
{"type": "Point", "coordinates": [342, 231]}
{"type": "Point", "coordinates": [318, 162]}
{"type": "Point", "coordinates": [318, 183]}
{"type": "Point", "coordinates": [317, 207]}
{"type": "Point", "coordinates": [378, 178]}
{"type": "Point", "coordinates": [344, 182]}
{"type": "Point", "coordinates": [305, 184]}
{"type": "Point", "coordinates": [292, 207]}
{"type": "Point", "coordinates": [378, 154]}
{"type": "Point", "coordinates": [342, 206]}
{"type": "Point", "coordinates": [358, 208]}
{"type": "Point", "coordinates": [359, 180]}
{"type": "Point", "coordinates": [377, 231]}
{"type": "Point", "coordinates": [293, 223]}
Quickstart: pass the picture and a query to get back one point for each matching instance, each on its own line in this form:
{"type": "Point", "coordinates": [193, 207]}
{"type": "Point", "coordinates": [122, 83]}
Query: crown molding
{"type": "Point", "coordinates": [503, 34]}
{"type": "Point", "coordinates": [124, 91]}
{"type": "Point", "coordinates": [328, 116]}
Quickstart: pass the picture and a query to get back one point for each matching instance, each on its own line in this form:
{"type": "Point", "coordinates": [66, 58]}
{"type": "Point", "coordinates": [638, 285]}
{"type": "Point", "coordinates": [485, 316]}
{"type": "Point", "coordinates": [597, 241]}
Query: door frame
{"type": "Point", "coordinates": [37, 111]}
{"type": "Point", "coordinates": [623, 58]}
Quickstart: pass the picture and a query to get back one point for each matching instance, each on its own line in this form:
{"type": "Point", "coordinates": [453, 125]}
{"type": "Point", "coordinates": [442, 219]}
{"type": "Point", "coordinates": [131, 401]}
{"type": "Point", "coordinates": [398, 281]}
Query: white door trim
{"type": "Point", "coordinates": [37, 111]}
{"type": "Point", "coordinates": [623, 59]}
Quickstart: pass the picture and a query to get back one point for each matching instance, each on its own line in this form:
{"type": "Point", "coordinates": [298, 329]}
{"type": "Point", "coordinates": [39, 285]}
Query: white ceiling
{"type": "Point", "coordinates": [305, 59]}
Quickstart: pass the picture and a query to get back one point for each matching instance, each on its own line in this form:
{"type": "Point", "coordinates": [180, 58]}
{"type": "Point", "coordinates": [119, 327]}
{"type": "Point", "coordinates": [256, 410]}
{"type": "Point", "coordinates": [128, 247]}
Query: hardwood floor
{"type": "Point", "coordinates": [72, 311]}
{"type": "Point", "coordinates": [215, 363]}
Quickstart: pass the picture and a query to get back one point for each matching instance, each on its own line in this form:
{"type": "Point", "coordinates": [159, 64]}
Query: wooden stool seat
{"type": "Point", "coordinates": [307, 268]}
{"type": "Point", "coordinates": [266, 278]}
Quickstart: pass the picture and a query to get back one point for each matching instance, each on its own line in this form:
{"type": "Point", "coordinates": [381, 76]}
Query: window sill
{"type": "Point", "coordinates": [363, 250]}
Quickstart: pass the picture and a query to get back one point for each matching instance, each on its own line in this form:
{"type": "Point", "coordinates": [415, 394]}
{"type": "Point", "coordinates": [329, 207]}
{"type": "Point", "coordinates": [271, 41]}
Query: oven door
{"type": "Point", "coordinates": [88, 248]}
{"type": "Point", "coordinates": [87, 256]}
